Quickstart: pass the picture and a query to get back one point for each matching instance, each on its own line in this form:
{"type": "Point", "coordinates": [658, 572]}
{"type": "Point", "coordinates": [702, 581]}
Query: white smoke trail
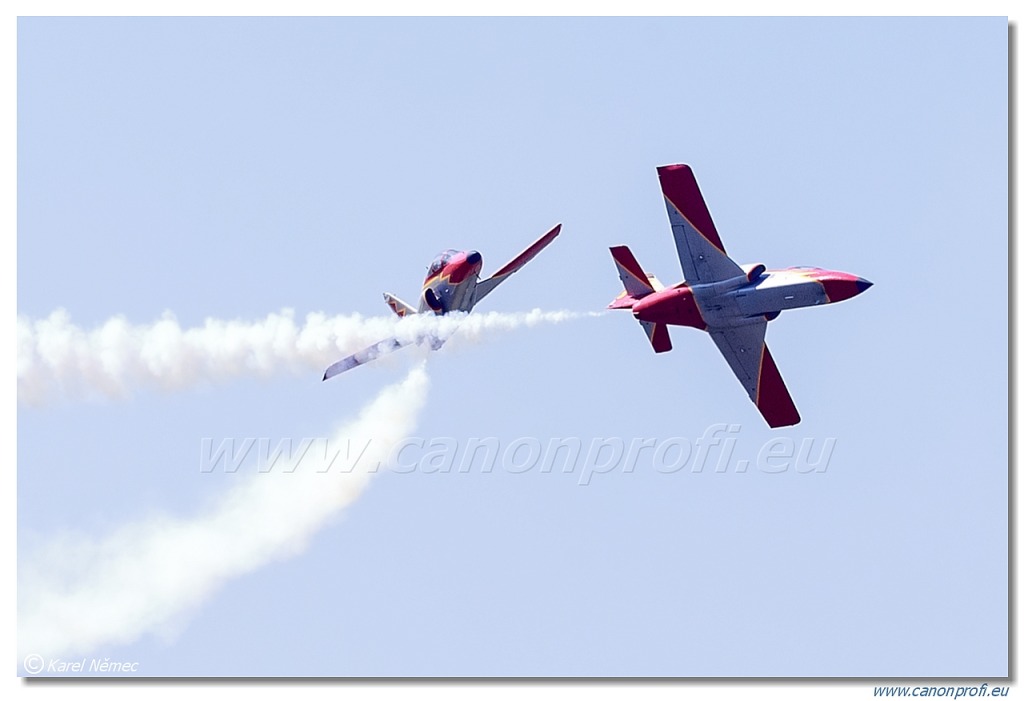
{"type": "Point", "coordinates": [56, 357]}
{"type": "Point", "coordinates": [76, 594]}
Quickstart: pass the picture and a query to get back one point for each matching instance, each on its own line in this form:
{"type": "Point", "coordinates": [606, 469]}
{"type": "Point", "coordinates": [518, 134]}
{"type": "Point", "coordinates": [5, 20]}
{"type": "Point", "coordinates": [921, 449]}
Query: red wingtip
{"type": "Point", "coordinates": [527, 255]}
{"type": "Point", "coordinates": [773, 398]}
{"type": "Point", "coordinates": [670, 168]}
{"type": "Point", "coordinates": [680, 188]}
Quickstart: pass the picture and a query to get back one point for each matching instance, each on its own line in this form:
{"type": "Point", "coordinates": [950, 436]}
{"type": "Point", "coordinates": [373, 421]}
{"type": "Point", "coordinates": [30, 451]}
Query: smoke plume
{"type": "Point", "coordinates": [57, 358]}
{"type": "Point", "coordinates": [78, 594]}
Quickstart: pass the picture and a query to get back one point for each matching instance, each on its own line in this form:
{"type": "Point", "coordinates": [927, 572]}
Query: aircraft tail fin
{"type": "Point", "coordinates": [636, 283]}
{"type": "Point", "coordinates": [398, 306]}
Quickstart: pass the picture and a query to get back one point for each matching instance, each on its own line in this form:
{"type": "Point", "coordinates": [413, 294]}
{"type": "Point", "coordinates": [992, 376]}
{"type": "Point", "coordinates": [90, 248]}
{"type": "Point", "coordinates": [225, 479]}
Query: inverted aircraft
{"type": "Point", "coordinates": [453, 284]}
{"type": "Point", "coordinates": [733, 303]}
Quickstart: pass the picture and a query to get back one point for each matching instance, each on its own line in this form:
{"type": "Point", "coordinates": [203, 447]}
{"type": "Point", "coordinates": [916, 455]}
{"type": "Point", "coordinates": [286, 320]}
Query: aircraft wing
{"type": "Point", "coordinates": [378, 349]}
{"type": "Point", "coordinates": [700, 249]}
{"type": "Point", "coordinates": [388, 345]}
{"type": "Point", "coordinates": [484, 287]}
{"type": "Point", "coordinates": [748, 356]}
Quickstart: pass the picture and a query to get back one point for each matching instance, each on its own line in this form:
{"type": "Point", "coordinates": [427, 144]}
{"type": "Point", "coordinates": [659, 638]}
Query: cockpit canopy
{"type": "Point", "coordinates": [440, 261]}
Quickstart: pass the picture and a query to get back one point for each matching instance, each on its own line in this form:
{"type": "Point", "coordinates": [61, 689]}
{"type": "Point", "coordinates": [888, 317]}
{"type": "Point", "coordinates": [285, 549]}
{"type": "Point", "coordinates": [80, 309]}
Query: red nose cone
{"type": "Point", "coordinates": [840, 286]}
{"type": "Point", "coordinates": [464, 265]}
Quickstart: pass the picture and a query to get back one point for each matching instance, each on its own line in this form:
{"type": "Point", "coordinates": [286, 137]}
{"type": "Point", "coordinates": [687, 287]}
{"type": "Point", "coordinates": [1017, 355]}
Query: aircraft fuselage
{"type": "Point", "coordinates": [451, 281]}
{"type": "Point", "coordinates": [452, 284]}
{"type": "Point", "coordinates": [760, 294]}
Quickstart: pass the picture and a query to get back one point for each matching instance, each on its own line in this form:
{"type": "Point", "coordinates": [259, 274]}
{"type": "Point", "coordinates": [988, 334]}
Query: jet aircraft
{"type": "Point", "coordinates": [453, 284]}
{"type": "Point", "coordinates": [732, 303]}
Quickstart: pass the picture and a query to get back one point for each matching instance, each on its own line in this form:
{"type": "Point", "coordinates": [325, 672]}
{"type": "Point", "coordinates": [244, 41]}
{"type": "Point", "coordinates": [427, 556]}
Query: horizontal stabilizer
{"type": "Point", "coordinates": [657, 334]}
{"type": "Point", "coordinates": [634, 279]}
{"type": "Point", "coordinates": [636, 283]}
{"type": "Point", "coordinates": [398, 306]}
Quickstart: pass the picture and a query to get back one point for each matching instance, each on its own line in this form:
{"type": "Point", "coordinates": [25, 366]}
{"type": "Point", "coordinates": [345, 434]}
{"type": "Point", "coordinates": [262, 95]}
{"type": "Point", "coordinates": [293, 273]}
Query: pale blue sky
{"type": "Point", "coordinates": [232, 167]}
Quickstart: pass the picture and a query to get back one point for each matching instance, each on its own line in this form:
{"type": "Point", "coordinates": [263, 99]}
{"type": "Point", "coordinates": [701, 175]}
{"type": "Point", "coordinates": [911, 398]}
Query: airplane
{"type": "Point", "coordinates": [453, 284]}
{"type": "Point", "coordinates": [733, 303]}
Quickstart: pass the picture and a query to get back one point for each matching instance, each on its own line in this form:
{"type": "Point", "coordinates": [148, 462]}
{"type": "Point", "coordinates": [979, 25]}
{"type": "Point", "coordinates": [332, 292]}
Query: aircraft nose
{"type": "Point", "coordinates": [839, 286]}
{"type": "Point", "coordinates": [465, 265]}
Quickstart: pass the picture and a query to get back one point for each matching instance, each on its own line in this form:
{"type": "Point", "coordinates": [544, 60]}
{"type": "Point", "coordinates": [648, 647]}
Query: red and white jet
{"type": "Point", "coordinates": [453, 284]}
{"type": "Point", "coordinates": [733, 303]}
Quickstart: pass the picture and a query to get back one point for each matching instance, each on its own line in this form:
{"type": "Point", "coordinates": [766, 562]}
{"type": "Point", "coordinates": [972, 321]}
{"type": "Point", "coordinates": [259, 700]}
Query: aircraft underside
{"type": "Point", "coordinates": [732, 303]}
